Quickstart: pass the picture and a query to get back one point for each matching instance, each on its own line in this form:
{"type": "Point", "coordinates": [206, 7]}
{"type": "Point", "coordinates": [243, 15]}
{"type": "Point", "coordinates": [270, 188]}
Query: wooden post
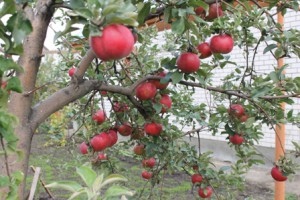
{"type": "Point", "coordinates": [280, 130]}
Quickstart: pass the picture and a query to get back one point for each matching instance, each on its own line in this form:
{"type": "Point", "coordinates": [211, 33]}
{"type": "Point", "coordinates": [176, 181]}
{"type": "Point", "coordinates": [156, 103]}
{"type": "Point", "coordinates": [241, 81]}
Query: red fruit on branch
{"type": "Point", "coordinates": [196, 178]}
{"type": "Point", "coordinates": [115, 42]}
{"type": "Point", "coordinates": [166, 102]}
{"type": "Point", "coordinates": [139, 149]}
{"type": "Point", "coordinates": [120, 107]}
{"type": "Point", "coordinates": [83, 148]}
{"type": "Point", "coordinates": [237, 110]}
{"type": "Point", "coordinates": [99, 143]}
{"type": "Point", "coordinates": [99, 116]}
{"type": "Point", "coordinates": [157, 83]}
{"type": "Point", "coordinates": [204, 50]}
{"type": "Point", "coordinates": [236, 139]}
{"type": "Point", "coordinates": [222, 43]}
{"type": "Point", "coordinates": [153, 129]}
{"type": "Point", "coordinates": [277, 174]}
{"type": "Point", "coordinates": [146, 175]}
{"type": "Point", "coordinates": [188, 62]}
{"type": "Point", "coordinates": [243, 118]}
{"type": "Point", "coordinates": [145, 91]}
{"type": "Point", "coordinates": [206, 192]}
{"type": "Point", "coordinates": [72, 71]}
{"type": "Point", "coordinates": [125, 129]}
{"type": "Point", "coordinates": [102, 156]}
{"type": "Point", "coordinates": [149, 162]}
{"type": "Point", "coordinates": [113, 135]}
{"type": "Point", "coordinates": [215, 11]}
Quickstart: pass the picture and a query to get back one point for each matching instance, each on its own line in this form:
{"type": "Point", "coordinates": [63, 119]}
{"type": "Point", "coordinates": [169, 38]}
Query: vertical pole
{"type": "Point", "coordinates": [280, 130]}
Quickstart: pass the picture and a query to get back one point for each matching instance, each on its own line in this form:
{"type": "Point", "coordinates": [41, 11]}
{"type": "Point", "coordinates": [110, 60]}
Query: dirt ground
{"type": "Point", "coordinates": [58, 163]}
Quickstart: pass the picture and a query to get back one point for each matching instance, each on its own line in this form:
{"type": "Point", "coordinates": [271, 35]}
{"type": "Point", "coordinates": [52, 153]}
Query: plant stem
{"type": "Point", "coordinates": [6, 157]}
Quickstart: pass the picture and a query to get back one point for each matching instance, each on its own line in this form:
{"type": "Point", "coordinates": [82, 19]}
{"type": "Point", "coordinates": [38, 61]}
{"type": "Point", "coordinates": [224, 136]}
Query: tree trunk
{"type": "Point", "coordinates": [20, 105]}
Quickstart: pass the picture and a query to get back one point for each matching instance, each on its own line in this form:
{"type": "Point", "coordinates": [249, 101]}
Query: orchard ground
{"type": "Point", "coordinates": [58, 163]}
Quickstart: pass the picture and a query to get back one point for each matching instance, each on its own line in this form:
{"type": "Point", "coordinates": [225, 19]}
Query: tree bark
{"type": "Point", "coordinates": [20, 105]}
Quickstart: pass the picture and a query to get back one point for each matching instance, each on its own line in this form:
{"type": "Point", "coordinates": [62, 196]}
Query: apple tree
{"type": "Point", "coordinates": [150, 85]}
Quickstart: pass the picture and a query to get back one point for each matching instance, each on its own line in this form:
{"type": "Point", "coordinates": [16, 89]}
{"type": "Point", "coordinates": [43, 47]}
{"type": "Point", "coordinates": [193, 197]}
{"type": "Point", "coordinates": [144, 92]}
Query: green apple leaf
{"type": "Point", "coordinates": [87, 174]}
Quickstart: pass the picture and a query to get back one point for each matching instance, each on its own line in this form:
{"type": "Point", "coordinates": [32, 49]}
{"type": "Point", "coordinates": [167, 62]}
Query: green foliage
{"type": "Point", "coordinates": [94, 185]}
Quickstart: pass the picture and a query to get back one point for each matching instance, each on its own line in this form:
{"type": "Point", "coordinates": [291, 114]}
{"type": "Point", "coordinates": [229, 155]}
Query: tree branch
{"type": "Point", "coordinates": [84, 64]}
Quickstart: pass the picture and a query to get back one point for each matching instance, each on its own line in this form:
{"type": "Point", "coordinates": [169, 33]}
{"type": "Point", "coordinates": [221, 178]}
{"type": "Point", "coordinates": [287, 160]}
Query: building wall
{"type": "Point", "coordinates": [264, 63]}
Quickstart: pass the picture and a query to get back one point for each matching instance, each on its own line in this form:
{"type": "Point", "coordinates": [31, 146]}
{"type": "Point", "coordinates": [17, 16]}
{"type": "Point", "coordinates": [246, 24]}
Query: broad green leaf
{"type": "Point", "coordinates": [144, 12]}
{"type": "Point", "coordinates": [4, 181]}
{"type": "Point", "coordinates": [8, 7]}
{"type": "Point", "coordinates": [19, 26]}
{"type": "Point", "coordinates": [269, 48]}
{"type": "Point", "coordinates": [250, 121]}
{"type": "Point", "coordinates": [177, 77]}
{"type": "Point", "coordinates": [87, 174]}
{"type": "Point", "coordinates": [75, 4]}
{"type": "Point", "coordinates": [17, 177]}
{"type": "Point", "coordinates": [98, 183]}
{"type": "Point", "coordinates": [77, 193]}
{"type": "Point", "coordinates": [84, 12]}
{"type": "Point", "coordinates": [8, 64]}
{"type": "Point", "coordinates": [14, 84]}
{"type": "Point", "coordinates": [273, 76]}
{"type": "Point", "coordinates": [166, 79]}
{"type": "Point", "coordinates": [67, 185]}
{"type": "Point", "coordinates": [229, 130]}
{"type": "Point", "coordinates": [117, 190]}
{"type": "Point", "coordinates": [260, 92]}
{"type": "Point", "coordinates": [113, 178]}
{"type": "Point", "coordinates": [179, 26]}
{"type": "Point", "coordinates": [157, 107]}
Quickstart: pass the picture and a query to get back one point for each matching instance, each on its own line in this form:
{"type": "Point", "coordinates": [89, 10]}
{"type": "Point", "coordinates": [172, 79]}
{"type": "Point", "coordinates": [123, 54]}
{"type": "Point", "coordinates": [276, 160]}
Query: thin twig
{"type": "Point", "coordinates": [6, 157]}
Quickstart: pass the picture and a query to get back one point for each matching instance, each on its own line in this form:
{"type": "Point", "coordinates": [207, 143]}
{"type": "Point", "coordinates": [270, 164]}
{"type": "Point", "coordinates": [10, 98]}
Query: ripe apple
{"type": "Point", "coordinates": [99, 116]}
{"type": "Point", "coordinates": [206, 192]}
{"type": "Point", "coordinates": [113, 135]}
{"type": "Point", "coordinates": [149, 162]}
{"type": "Point", "coordinates": [222, 43]}
{"type": "Point", "coordinates": [236, 109]}
{"type": "Point", "coordinates": [199, 11]}
{"type": "Point", "coordinates": [83, 148]}
{"type": "Point", "coordinates": [103, 93]}
{"type": "Point", "coordinates": [72, 71]}
{"type": "Point", "coordinates": [277, 174]}
{"type": "Point", "coordinates": [195, 167]}
{"type": "Point", "coordinates": [236, 139]}
{"type": "Point", "coordinates": [125, 129]}
{"type": "Point", "coordinates": [196, 178]}
{"type": "Point", "coordinates": [243, 118]}
{"type": "Point", "coordinates": [204, 50]}
{"type": "Point", "coordinates": [146, 175]}
{"type": "Point", "coordinates": [139, 149]}
{"type": "Point", "coordinates": [157, 83]}
{"type": "Point", "coordinates": [153, 129]}
{"type": "Point", "coordinates": [166, 102]}
{"type": "Point", "coordinates": [214, 12]}
{"type": "Point", "coordinates": [188, 62]}
{"type": "Point", "coordinates": [102, 156]}
{"type": "Point", "coordinates": [115, 42]}
{"type": "Point", "coordinates": [99, 143]}
{"type": "Point", "coordinates": [120, 107]}
{"type": "Point", "coordinates": [145, 91]}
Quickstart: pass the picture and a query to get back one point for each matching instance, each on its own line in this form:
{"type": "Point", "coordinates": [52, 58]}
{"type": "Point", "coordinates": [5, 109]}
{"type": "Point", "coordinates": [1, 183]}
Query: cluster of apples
{"type": "Point", "coordinates": [197, 180]}
{"type": "Point", "coordinates": [148, 163]}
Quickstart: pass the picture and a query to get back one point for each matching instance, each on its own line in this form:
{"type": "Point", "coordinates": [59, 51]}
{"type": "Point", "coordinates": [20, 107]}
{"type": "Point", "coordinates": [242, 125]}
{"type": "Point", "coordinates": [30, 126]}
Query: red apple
{"type": "Point", "coordinates": [206, 192]}
{"type": "Point", "coordinates": [196, 178]}
{"type": "Point", "coordinates": [166, 102]}
{"type": "Point", "coordinates": [146, 175]}
{"type": "Point", "coordinates": [99, 116]}
{"type": "Point", "coordinates": [153, 129]}
{"type": "Point", "coordinates": [103, 93]}
{"type": "Point", "coordinates": [139, 149]}
{"type": "Point", "coordinates": [157, 83]}
{"type": "Point", "coordinates": [214, 12]}
{"type": "Point", "coordinates": [243, 118]}
{"type": "Point", "coordinates": [222, 43]}
{"type": "Point", "coordinates": [102, 156]}
{"type": "Point", "coordinates": [120, 107]}
{"type": "Point", "coordinates": [199, 11]}
{"type": "Point", "coordinates": [149, 162]}
{"type": "Point", "coordinates": [204, 50]}
{"type": "Point", "coordinates": [72, 71]}
{"type": "Point", "coordinates": [195, 167]}
{"type": "Point", "coordinates": [188, 62]}
{"type": "Point", "coordinates": [83, 148]}
{"type": "Point", "coordinates": [145, 91]}
{"type": "Point", "coordinates": [237, 110]}
{"type": "Point", "coordinates": [125, 129]}
{"type": "Point", "coordinates": [115, 42]}
{"type": "Point", "coordinates": [99, 143]}
{"type": "Point", "coordinates": [236, 139]}
{"type": "Point", "coordinates": [277, 174]}
{"type": "Point", "coordinates": [113, 135]}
